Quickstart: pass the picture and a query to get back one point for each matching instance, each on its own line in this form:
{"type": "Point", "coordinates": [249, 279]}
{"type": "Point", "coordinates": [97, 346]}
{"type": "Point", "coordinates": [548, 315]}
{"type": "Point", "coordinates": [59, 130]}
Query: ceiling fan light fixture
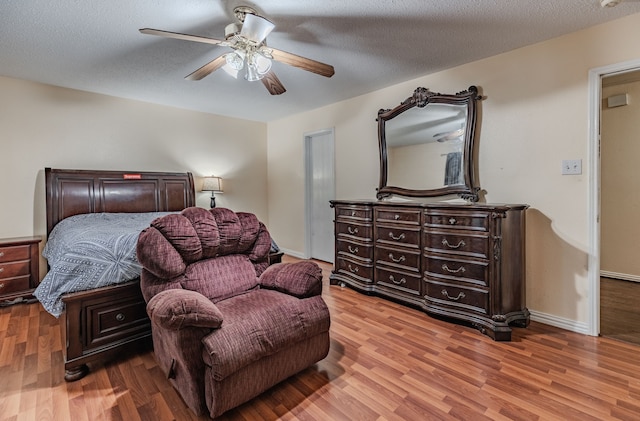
{"type": "Point", "coordinates": [262, 63]}
{"type": "Point", "coordinates": [235, 59]}
{"type": "Point", "coordinates": [231, 30]}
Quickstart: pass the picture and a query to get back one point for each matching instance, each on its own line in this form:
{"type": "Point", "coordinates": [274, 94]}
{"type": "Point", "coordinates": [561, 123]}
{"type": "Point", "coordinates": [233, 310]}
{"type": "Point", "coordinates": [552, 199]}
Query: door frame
{"type": "Point", "coordinates": [308, 182]}
{"type": "Point", "coordinates": [595, 101]}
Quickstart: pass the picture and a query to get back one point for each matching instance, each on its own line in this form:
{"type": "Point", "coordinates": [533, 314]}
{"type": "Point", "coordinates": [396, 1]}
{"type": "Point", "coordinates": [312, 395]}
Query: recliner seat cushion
{"type": "Point", "coordinates": [258, 324]}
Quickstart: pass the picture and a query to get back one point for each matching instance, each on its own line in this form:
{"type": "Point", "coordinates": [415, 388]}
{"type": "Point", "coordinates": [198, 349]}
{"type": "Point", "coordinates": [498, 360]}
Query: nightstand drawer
{"type": "Point", "coordinates": [19, 283]}
{"type": "Point", "coordinates": [10, 270]}
{"type": "Point", "coordinates": [11, 254]}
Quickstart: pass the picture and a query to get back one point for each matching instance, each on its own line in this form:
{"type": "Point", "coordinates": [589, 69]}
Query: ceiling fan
{"type": "Point", "coordinates": [249, 51]}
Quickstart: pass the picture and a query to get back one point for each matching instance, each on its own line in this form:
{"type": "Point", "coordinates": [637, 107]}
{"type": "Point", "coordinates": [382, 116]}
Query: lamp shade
{"type": "Point", "coordinates": [212, 184]}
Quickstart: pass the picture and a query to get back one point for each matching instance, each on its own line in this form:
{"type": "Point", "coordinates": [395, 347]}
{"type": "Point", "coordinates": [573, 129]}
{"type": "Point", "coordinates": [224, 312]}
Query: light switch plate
{"type": "Point", "coordinates": [571, 166]}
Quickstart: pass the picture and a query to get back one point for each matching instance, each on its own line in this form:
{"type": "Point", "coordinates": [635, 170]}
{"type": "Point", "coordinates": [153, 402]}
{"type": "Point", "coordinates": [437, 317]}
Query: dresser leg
{"type": "Point", "coordinates": [76, 373]}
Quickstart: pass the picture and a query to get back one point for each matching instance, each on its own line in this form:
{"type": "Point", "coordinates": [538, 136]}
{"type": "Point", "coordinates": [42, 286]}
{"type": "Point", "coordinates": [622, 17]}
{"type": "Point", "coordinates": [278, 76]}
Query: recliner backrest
{"type": "Point", "coordinates": [216, 252]}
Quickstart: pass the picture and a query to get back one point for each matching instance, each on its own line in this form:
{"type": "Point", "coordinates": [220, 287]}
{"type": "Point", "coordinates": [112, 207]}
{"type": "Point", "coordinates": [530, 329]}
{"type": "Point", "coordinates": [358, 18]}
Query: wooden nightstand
{"type": "Point", "coordinates": [19, 267]}
{"type": "Point", "coordinates": [275, 257]}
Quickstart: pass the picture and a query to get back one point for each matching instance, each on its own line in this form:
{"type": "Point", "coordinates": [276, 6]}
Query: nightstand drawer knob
{"type": "Point", "coordinates": [1, 285]}
{"type": "Point", "coordinates": [1, 270]}
{"type": "Point", "coordinates": [120, 317]}
{"type": "Point", "coordinates": [1, 253]}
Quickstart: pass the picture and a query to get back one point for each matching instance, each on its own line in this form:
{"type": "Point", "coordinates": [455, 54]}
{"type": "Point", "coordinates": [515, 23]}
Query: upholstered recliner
{"type": "Point", "coordinates": [227, 326]}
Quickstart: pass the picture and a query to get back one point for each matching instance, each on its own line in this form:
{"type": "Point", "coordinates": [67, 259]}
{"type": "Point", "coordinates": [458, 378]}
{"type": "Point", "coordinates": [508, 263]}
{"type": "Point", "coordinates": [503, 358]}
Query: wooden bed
{"type": "Point", "coordinates": [103, 322]}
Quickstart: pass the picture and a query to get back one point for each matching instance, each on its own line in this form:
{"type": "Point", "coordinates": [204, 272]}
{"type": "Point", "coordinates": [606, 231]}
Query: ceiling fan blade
{"type": "Point", "coordinates": [185, 37]}
{"type": "Point", "coordinates": [207, 69]}
{"type": "Point", "coordinates": [256, 28]}
{"type": "Point", "coordinates": [273, 84]}
{"type": "Point", "coordinates": [302, 62]}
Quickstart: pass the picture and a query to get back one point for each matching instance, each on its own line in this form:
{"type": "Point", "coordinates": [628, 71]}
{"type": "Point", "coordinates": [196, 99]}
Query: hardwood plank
{"type": "Point", "coordinates": [386, 362]}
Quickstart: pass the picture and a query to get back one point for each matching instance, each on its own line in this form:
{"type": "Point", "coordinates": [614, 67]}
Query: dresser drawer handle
{"type": "Point", "coordinates": [393, 237]}
{"type": "Point", "coordinates": [120, 317]}
{"type": "Point", "coordinates": [400, 282]}
{"type": "Point", "coordinates": [1, 270]}
{"type": "Point", "coordinates": [1, 253]}
{"type": "Point", "coordinates": [452, 221]}
{"type": "Point", "coordinates": [446, 268]}
{"type": "Point", "coordinates": [396, 217]}
{"type": "Point", "coordinates": [352, 230]}
{"type": "Point", "coordinates": [353, 213]}
{"type": "Point", "coordinates": [2, 285]}
{"type": "Point", "coordinates": [398, 260]}
{"type": "Point", "coordinates": [353, 270]}
{"type": "Point", "coordinates": [446, 294]}
{"type": "Point", "coordinates": [353, 250]}
{"type": "Point", "coordinates": [460, 244]}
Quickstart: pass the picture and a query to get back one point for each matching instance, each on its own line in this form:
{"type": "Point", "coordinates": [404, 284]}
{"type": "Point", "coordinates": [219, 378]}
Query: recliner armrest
{"type": "Point", "coordinates": [300, 279]}
{"type": "Point", "coordinates": [175, 309]}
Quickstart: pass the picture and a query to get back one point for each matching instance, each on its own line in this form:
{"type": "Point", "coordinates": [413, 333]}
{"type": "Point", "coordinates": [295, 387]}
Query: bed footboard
{"type": "Point", "coordinates": [101, 323]}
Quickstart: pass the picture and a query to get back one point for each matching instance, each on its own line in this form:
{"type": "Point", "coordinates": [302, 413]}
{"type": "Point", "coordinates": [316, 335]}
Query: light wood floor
{"type": "Point", "coordinates": [386, 362]}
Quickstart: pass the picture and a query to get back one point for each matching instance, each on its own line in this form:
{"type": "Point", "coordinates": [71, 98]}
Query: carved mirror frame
{"type": "Point", "coordinates": [421, 98]}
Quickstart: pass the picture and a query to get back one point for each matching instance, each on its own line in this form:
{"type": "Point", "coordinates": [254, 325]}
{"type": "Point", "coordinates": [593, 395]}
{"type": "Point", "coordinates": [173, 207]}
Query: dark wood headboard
{"type": "Point", "coordinates": [72, 192]}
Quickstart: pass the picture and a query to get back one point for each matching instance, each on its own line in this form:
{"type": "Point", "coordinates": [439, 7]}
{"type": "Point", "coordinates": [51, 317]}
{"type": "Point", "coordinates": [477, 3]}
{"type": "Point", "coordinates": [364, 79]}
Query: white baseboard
{"type": "Point", "coordinates": [622, 276]}
{"type": "Point", "coordinates": [293, 253]}
{"type": "Point", "coordinates": [561, 322]}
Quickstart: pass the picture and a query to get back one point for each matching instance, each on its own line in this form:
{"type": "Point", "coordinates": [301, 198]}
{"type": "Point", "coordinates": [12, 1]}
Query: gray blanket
{"type": "Point", "coordinates": [90, 251]}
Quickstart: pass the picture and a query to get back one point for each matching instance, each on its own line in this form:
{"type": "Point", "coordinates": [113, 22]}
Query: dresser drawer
{"type": "Point", "coordinates": [11, 254]}
{"type": "Point", "coordinates": [109, 322]}
{"type": "Point", "coordinates": [356, 212]}
{"type": "Point", "coordinates": [474, 272]}
{"type": "Point", "coordinates": [354, 230]}
{"type": "Point", "coordinates": [408, 260]}
{"type": "Point", "coordinates": [356, 250]}
{"type": "Point", "coordinates": [451, 242]}
{"type": "Point", "coordinates": [10, 270]}
{"type": "Point", "coordinates": [353, 269]}
{"type": "Point", "coordinates": [19, 283]}
{"type": "Point", "coordinates": [451, 219]}
{"type": "Point", "coordinates": [399, 236]}
{"type": "Point", "coordinates": [458, 297]}
{"type": "Point", "coordinates": [398, 216]}
{"type": "Point", "coordinates": [399, 280]}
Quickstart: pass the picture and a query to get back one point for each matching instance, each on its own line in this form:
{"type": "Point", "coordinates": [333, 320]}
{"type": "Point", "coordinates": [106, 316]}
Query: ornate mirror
{"type": "Point", "coordinates": [427, 145]}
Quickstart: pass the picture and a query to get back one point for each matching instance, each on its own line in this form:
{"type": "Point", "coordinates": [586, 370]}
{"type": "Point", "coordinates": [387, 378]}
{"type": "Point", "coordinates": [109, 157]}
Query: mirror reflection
{"type": "Point", "coordinates": [426, 145]}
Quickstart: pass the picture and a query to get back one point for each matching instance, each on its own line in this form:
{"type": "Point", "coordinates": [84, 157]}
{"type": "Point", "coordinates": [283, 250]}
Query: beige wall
{"type": "Point", "coordinates": [620, 181]}
{"type": "Point", "coordinates": [44, 126]}
{"type": "Point", "coordinates": [535, 114]}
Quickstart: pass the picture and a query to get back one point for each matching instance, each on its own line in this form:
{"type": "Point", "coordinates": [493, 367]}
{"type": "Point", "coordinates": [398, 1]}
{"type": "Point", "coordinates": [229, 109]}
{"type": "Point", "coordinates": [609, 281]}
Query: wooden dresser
{"type": "Point", "coordinates": [19, 267]}
{"type": "Point", "coordinates": [458, 261]}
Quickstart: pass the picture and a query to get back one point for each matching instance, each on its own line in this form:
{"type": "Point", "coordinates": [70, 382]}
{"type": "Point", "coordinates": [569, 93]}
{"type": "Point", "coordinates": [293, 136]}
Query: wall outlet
{"type": "Point", "coordinates": [571, 166]}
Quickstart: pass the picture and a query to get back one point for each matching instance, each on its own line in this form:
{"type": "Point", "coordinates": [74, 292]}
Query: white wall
{"type": "Point", "coordinates": [44, 126]}
{"type": "Point", "coordinates": [535, 114]}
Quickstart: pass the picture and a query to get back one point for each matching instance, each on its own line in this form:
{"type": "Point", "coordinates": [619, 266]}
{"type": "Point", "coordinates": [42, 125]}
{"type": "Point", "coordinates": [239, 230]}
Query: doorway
{"type": "Point", "coordinates": [319, 190]}
{"type": "Point", "coordinates": [619, 205]}
{"type": "Point", "coordinates": [596, 101]}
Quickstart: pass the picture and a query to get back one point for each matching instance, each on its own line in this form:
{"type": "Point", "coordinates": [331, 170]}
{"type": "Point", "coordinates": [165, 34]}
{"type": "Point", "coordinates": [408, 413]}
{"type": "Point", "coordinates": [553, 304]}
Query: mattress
{"type": "Point", "coordinates": [90, 251]}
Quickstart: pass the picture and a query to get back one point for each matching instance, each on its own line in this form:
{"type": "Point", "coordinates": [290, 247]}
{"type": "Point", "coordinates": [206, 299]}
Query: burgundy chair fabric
{"type": "Point", "coordinates": [227, 326]}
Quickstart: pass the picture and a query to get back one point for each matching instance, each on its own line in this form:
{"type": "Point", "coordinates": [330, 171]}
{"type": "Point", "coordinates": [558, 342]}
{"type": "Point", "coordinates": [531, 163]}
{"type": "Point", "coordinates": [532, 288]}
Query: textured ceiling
{"type": "Point", "coordinates": [95, 46]}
